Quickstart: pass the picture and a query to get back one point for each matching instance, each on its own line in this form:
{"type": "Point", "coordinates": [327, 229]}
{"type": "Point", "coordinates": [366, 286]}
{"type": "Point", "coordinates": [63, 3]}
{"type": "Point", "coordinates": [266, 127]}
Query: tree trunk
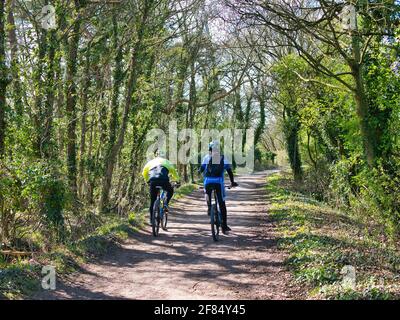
{"type": "Point", "coordinates": [91, 158]}
{"type": "Point", "coordinates": [239, 116]}
{"type": "Point", "coordinates": [71, 99]}
{"type": "Point", "coordinates": [246, 121]}
{"type": "Point", "coordinates": [17, 89]}
{"type": "Point", "coordinates": [3, 88]}
{"type": "Point", "coordinates": [367, 133]}
{"type": "Point", "coordinates": [261, 124]}
{"type": "Point", "coordinates": [135, 70]}
{"type": "Point", "coordinates": [47, 147]}
{"type": "Point", "coordinates": [85, 101]}
{"type": "Point", "coordinates": [38, 80]}
{"type": "Point", "coordinates": [193, 102]}
{"type": "Point", "coordinates": [118, 79]}
{"type": "Point", "coordinates": [368, 136]}
{"type": "Point", "coordinates": [309, 151]}
{"type": "Point", "coordinates": [3, 79]}
{"type": "Point", "coordinates": [292, 127]}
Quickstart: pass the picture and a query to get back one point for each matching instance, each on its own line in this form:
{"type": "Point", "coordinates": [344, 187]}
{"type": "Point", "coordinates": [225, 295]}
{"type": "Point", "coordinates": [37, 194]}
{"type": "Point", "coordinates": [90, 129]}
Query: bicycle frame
{"type": "Point", "coordinates": [215, 214]}
{"type": "Point", "coordinates": [161, 195]}
{"type": "Point", "coordinates": [160, 215]}
{"type": "Point", "coordinates": [215, 221]}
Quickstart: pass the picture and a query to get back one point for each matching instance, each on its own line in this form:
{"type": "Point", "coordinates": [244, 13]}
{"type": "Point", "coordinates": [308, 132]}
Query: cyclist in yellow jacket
{"type": "Point", "coordinates": [156, 172]}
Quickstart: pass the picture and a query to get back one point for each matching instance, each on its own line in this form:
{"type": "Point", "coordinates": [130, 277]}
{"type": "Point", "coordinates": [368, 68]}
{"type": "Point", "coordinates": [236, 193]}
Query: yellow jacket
{"type": "Point", "coordinates": [162, 163]}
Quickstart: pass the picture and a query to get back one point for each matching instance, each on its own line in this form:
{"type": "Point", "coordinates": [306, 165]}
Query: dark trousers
{"type": "Point", "coordinates": [221, 203]}
{"type": "Point", "coordinates": [166, 185]}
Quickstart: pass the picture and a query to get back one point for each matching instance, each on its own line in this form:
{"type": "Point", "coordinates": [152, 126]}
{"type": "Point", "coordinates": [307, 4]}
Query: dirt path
{"type": "Point", "coordinates": [185, 263]}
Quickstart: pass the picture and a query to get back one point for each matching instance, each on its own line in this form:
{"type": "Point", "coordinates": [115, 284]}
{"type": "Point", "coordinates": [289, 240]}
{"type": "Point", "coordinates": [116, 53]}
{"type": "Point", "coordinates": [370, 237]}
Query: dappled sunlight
{"type": "Point", "coordinates": [186, 260]}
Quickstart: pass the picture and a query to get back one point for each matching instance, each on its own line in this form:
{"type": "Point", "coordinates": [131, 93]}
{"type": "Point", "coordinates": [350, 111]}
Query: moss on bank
{"type": "Point", "coordinates": [321, 241]}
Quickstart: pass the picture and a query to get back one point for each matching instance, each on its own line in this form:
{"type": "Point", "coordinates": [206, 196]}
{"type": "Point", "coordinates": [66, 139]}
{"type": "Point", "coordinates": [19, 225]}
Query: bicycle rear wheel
{"type": "Point", "coordinates": [155, 221]}
{"type": "Point", "coordinates": [214, 222]}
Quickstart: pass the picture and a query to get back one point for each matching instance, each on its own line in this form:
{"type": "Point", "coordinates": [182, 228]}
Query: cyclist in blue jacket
{"type": "Point", "coordinates": [214, 179]}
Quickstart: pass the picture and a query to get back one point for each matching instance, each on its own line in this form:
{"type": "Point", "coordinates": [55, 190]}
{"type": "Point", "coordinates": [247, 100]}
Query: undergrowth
{"type": "Point", "coordinates": [323, 242]}
{"type": "Point", "coordinates": [20, 278]}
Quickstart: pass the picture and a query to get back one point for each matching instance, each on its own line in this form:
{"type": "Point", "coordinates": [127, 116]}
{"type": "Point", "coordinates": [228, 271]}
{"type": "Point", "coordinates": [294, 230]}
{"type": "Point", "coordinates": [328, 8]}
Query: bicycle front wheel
{"type": "Point", "coordinates": [155, 221]}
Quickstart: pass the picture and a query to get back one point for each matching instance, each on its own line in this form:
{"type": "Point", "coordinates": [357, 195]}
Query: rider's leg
{"type": "Point", "coordinates": [170, 191]}
{"type": "Point", "coordinates": [153, 197]}
{"type": "Point", "coordinates": [222, 206]}
{"type": "Point", "coordinates": [208, 189]}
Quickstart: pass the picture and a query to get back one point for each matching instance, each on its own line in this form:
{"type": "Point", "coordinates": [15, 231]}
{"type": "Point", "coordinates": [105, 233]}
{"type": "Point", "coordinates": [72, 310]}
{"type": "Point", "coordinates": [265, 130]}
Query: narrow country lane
{"type": "Point", "coordinates": [185, 263]}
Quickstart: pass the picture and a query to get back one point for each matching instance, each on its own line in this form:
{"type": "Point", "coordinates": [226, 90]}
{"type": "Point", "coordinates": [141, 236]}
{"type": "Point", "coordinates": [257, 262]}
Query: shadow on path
{"type": "Point", "coordinates": [185, 263]}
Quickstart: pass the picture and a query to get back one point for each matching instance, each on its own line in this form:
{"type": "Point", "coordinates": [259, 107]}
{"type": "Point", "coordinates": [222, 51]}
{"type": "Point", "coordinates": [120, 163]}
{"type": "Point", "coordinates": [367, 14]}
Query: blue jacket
{"type": "Point", "coordinates": [208, 180]}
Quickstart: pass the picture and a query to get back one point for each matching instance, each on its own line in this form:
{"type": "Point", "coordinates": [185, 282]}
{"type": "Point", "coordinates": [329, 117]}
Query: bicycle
{"type": "Point", "coordinates": [215, 214]}
{"type": "Point", "coordinates": [160, 215]}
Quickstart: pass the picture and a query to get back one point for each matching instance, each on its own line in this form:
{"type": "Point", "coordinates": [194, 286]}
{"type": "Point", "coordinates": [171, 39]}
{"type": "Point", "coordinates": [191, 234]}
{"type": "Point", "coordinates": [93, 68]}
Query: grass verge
{"type": "Point", "coordinates": [185, 190]}
{"type": "Point", "coordinates": [325, 245]}
{"type": "Point", "coordinates": [20, 278]}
